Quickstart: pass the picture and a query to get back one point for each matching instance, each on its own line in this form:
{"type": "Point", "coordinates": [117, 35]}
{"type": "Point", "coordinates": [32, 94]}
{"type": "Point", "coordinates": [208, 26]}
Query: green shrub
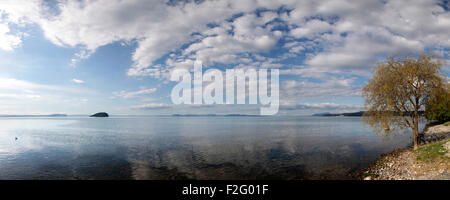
{"type": "Point", "coordinates": [438, 108]}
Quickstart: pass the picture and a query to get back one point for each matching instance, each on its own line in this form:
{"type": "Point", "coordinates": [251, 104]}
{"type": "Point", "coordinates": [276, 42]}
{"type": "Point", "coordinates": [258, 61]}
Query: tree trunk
{"type": "Point", "coordinates": [416, 131]}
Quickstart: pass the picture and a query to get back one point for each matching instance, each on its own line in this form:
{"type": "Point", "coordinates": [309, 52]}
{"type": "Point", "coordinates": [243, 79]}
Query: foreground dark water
{"type": "Point", "coordinates": [189, 147]}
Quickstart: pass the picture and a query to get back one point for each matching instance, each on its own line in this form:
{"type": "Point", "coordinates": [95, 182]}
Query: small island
{"type": "Point", "coordinates": [100, 114]}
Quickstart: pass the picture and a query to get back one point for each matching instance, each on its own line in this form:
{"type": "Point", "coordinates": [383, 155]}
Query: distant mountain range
{"type": "Point", "coordinates": [354, 114]}
{"type": "Point", "coordinates": [213, 115]}
{"type": "Point", "coordinates": [51, 115]}
{"type": "Point", "coordinates": [327, 114]}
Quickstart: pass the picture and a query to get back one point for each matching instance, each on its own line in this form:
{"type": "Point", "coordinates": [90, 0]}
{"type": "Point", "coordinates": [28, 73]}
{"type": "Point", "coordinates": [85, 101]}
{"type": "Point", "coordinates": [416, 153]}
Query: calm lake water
{"type": "Point", "coordinates": [278, 147]}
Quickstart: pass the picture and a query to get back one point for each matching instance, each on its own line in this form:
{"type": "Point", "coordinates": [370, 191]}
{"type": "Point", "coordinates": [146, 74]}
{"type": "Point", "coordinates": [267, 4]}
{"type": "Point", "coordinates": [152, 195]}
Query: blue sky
{"type": "Point", "coordinates": [80, 57]}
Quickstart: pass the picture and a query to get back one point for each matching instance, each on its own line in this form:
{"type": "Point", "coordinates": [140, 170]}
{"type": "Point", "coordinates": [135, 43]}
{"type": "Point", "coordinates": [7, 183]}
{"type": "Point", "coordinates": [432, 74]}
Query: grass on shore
{"type": "Point", "coordinates": [447, 123]}
{"type": "Point", "coordinates": [432, 152]}
{"type": "Point", "coordinates": [368, 174]}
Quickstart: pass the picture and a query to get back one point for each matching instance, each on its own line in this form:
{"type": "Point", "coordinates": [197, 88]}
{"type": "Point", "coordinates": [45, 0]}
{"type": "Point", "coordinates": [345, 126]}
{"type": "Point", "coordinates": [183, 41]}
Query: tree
{"type": "Point", "coordinates": [398, 91]}
{"type": "Point", "coordinates": [438, 108]}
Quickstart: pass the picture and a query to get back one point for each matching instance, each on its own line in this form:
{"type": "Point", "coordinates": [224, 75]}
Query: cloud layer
{"type": "Point", "coordinates": [350, 34]}
{"type": "Point", "coordinates": [328, 44]}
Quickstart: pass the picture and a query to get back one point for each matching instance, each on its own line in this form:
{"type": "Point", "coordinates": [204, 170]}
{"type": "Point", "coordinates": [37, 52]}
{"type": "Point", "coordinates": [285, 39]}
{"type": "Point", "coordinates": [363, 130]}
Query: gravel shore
{"type": "Point", "coordinates": [430, 162]}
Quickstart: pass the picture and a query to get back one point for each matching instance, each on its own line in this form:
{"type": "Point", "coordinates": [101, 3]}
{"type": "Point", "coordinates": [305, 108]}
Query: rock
{"type": "Point", "coordinates": [100, 114]}
{"type": "Point", "coordinates": [434, 134]}
{"type": "Point", "coordinates": [438, 129]}
{"type": "Point", "coordinates": [447, 146]}
{"type": "Point", "coordinates": [368, 178]}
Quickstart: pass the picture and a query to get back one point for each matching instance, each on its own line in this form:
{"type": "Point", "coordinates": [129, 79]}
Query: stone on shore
{"type": "Point", "coordinates": [408, 164]}
{"type": "Point", "coordinates": [447, 147]}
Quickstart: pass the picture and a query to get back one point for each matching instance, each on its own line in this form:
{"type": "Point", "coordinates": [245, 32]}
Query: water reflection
{"type": "Point", "coordinates": [189, 148]}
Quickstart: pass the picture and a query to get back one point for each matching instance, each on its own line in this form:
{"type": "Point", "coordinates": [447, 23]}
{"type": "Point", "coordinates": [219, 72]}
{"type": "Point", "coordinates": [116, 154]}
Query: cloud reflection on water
{"type": "Point", "coordinates": [190, 148]}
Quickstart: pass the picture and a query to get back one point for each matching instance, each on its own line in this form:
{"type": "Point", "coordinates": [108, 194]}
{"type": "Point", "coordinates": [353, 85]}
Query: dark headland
{"type": "Point", "coordinates": [100, 114]}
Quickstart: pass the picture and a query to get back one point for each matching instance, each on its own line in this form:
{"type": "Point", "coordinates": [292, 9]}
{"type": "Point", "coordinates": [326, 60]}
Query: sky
{"type": "Point", "coordinates": [82, 57]}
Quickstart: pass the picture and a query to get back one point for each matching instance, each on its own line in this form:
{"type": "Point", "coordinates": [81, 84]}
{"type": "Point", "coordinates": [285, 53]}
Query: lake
{"type": "Point", "coordinates": [168, 147]}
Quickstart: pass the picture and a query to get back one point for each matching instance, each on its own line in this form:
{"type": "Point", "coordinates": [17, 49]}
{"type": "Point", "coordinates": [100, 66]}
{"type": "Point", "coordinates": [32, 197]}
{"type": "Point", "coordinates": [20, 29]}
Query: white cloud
{"type": "Point", "coordinates": [77, 80]}
{"type": "Point", "coordinates": [311, 28]}
{"type": "Point", "coordinates": [292, 91]}
{"type": "Point", "coordinates": [127, 95]}
{"type": "Point", "coordinates": [16, 85]}
{"type": "Point", "coordinates": [222, 47]}
{"type": "Point", "coordinates": [8, 41]}
{"type": "Point", "coordinates": [21, 11]}
{"type": "Point", "coordinates": [18, 13]}
{"type": "Point", "coordinates": [18, 96]}
{"type": "Point", "coordinates": [25, 97]}
{"type": "Point", "coordinates": [322, 106]}
{"type": "Point", "coordinates": [151, 106]}
{"type": "Point", "coordinates": [157, 27]}
{"type": "Point", "coordinates": [343, 36]}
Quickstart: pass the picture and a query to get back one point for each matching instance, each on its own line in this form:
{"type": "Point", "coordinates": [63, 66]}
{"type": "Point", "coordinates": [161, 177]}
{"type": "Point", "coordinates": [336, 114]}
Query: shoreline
{"type": "Point", "coordinates": [430, 162]}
